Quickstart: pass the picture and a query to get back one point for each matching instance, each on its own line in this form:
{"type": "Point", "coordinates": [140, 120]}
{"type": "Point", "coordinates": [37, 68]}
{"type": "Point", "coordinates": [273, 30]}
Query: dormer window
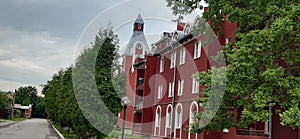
{"type": "Point", "coordinates": [139, 26]}
{"type": "Point", "coordinates": [187, 30]}
{"type": "Point", "coordinates": [175, 36]}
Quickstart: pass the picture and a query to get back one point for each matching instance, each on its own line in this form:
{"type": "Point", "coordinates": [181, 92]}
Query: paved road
{"type": "Point", "coordinates": [29, 129]}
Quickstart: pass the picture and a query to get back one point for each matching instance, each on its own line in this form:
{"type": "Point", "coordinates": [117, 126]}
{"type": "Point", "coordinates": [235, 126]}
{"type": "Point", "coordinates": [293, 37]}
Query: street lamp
{"type": "Point", "coordinates": [12, 105]}
{"type": "Point", "coordinates": [125, 101]}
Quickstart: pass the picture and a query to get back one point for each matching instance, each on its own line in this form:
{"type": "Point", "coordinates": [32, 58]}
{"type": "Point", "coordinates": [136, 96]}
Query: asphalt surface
{"type": "Point", "coordinates": [29, 129]}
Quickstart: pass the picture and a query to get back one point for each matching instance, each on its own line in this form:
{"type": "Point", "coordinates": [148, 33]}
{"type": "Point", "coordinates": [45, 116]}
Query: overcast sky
{"type": "Point", "coordinates": [39, 37]}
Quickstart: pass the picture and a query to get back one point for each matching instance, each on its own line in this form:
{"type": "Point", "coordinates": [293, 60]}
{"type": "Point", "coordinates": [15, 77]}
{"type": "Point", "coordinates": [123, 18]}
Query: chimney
{"type": "Point", "coordinates": [206, 9]}
{"type": "Point", "coordinates": [180, 26]}
{"type": "Point", "coordinates": [166, 34]}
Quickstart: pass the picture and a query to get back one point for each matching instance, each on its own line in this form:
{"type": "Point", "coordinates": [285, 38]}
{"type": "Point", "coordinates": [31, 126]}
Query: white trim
{"type": "Point", "coordinates": [173, 60]}
{"type": "Point", "coordinates": [191, 117]}
{"type": "Point", "coordinates": [178, 119]}
{"type": "Point", "coordinates": [161, 64]}
{"type": "Point", "coordinates": [171, 89]}
{"type": "Point", "coordinates": [195, 86]}
{"type": "Point", "coordinates": [197, 49]}
{"type": "Point", "coordinates": [180, 87]}
{"type": "Point", "coordinates": [168, 119]}
{"type": "Point", "coordinates": [266, 128]}
{"type": "Point", "coordinates": [160, 91]}
{"type": "Point", "coordinates": [187, 29]}
{"type": "Point", "coordinates": [196, 20]}
{"type": "Point", "coordinates": [182, 55]}
{"type": "Point", "coordinates": [227, 40]}
{"type": "Point", "coordinates": [157, 120]}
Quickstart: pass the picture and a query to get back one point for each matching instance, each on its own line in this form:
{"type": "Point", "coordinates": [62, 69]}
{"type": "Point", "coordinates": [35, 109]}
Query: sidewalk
{"type": "Point", "coordinates": [6, 123]}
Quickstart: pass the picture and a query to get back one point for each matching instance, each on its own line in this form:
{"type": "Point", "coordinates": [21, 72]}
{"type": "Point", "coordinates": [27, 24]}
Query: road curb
{"type": "Point", "coordinates": [9, 124]}
{"type": "Point", "coordinates": [59, 134]}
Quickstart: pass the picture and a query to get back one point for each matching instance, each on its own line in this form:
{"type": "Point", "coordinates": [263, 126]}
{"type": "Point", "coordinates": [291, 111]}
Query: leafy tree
{"type": "Point", "coordinates": [39, 108]}
{"type": "Point", "coordinates": [4, 102]}
{"type": "Point", "coordinates": [100, 103]}
{"type": "Point", "coordinates": [83, 98]}
{"type": "Point", "coordinates": [262, 64]}
{"type": "Point", "coordinates": [26, 95]}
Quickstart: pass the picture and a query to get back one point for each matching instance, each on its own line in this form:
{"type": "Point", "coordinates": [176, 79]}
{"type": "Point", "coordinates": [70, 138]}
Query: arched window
{"type": "Point", "coordinates": [158, 116]}
{"type": "Point", "coordinates": [178, 116]}
{"type": "Point", "coordinates": [193, 111]}
{"type": "Point", "coordinates": [187, 29]}
{"type": "Point", "coordinates": [169, 116]}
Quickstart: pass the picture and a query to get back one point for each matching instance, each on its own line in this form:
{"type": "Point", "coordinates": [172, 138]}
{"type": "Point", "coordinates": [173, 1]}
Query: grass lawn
{"type": "Point", "coordinates": [18, 119]}
{"type": "Point", "coordinates": [65, 133]}
{"type": "Point", "coordinates": [116, 134]}
{"type": "Point", "coordinates": [14, 119]}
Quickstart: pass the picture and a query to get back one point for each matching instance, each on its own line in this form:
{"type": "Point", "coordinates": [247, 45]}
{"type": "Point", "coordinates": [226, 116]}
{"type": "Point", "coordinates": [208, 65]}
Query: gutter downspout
{"type": "Point", "coordinates": [270, 122]}
{"type": "Point", "coordinates": [173, 98]}
{"type": "Point", "coordinates": [134, 98]}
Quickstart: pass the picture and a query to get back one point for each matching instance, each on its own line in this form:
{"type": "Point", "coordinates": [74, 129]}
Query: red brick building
{"type": "Point", "coordinates": [164, 94]}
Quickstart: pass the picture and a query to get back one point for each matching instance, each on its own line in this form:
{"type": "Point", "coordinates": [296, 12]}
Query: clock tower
{"type": "Point", "coordinates": [137, 44]}
{"type": "Point", "coordinates": [134, 51]}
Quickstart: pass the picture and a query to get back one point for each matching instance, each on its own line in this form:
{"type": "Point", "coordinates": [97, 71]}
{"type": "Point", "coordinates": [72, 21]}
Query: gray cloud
{"type": "Point", "coordinates": [31, 58]}
{"type": "Point", "coordinates": [64, 18]}
{"type": "Point", "coordinates": [39, 37]}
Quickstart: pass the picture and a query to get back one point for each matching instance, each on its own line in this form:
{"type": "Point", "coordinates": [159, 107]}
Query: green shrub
{"type": "Point", "coordinates": [18, 114]}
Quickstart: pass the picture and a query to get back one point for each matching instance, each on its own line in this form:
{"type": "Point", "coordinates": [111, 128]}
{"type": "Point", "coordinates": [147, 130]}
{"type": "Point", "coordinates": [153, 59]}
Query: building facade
{"type": "Point", "coordinates": [164, 93]}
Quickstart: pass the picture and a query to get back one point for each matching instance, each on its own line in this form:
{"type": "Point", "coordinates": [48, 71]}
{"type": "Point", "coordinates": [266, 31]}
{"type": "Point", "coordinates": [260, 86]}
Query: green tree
{"type": "Point", "coordinates": [26, 95]}
{"type": "Point", "coordinates": [4, 102]}
{"type": "Point", "coordinates": [100, 102]}
{"type": "Point", "coordinates": [76, 98]}
{"type": "Point", "coordinates": [262, 64]}
{"type": "Point", "coordinates": [39, 108]}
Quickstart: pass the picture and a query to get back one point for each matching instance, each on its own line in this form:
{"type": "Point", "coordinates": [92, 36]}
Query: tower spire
{"type": "Point", "coordinates": [138, 43]}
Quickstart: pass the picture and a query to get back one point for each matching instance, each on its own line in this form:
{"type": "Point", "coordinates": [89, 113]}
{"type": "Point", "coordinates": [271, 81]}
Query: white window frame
{"type": "Point", "coordinates": [171, 89]}
{"type": "Point", "coordinates": [180, 87]}
{"type": "Point", "coordinates": [197, 49]}
{"type": "Point", "coordinates": [158, 117]}
{"type": "Point", "coordinates": [169, 117]}
{"type": "Point", "coordinates": [195, 86]}
{"type": "Point", "coordinates": [227, 40]}
{"type": "Point", "coordinates": [266, 129]}
{"type": "Point", "coordinates": [173, 60]}
{"type": "Point", "coordinates": [161, 64]}
{"type": "Point", "coordinates": [192, 113]}
{"type": "Point", "coordinates": [182, 56]}
{"type": "Point", "coordinates": [160, 91]}
{"type": "Point", "coordinates": [178, 117]}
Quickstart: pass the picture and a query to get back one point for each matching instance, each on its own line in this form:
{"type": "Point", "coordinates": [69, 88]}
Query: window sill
{"type": "Point", "coordinates": [197, 57]}
{"type": "Point", "coordinates": [178, 127]}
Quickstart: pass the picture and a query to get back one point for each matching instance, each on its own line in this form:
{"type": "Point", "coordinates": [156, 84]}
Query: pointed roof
{"type": "Point", "coordinates": [139, 19]}
{"type": "Point", "coordinates": [137, 36]}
